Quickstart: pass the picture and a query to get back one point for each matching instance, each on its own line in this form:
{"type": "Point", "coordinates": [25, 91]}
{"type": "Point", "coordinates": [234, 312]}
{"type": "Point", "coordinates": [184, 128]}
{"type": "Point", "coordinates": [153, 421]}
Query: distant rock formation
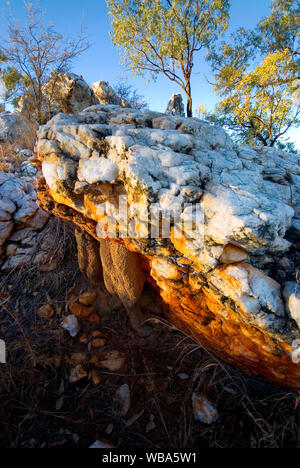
{"type": "Point", "coordinates": [176, 106]}
{"type": "Point", "coordinates": [64, 92]}
{"type": "Point", "coordinates": [106, 95]}
{"type": "Point", "coordinates": [69, 93]}
{"type": "Point", "coordinates": [230, 278]}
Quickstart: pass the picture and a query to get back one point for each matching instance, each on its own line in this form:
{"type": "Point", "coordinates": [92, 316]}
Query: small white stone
{"type": "Point", "coordinates": [49, 171]}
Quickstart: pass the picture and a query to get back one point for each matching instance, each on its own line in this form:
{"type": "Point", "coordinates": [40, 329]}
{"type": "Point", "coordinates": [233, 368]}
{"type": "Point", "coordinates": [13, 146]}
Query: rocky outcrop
{"type": "Point", "coordinates": [223, 276]}
{"type": "Point", "coordinates": [176, 106]}
{"type": "Point", "coordinates": [106, 95]}
{"type": "Point", "coordinates": [14, 127]}
{"type": "Point", "coordinates": [64, 92]}
{"type": "Point", "coordinates": [68, 93]}
{"type": "Point", "coordinates": [26, 232]}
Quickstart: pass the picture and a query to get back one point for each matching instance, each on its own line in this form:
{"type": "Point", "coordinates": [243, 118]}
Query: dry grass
{"type": "Point", "coordinates": [9, 157]}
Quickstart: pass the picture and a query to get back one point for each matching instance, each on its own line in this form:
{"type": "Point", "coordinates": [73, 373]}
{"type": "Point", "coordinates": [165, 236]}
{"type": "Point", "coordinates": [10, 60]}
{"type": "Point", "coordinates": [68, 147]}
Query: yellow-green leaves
{"type": "Point", "coordinates": [11, 78]}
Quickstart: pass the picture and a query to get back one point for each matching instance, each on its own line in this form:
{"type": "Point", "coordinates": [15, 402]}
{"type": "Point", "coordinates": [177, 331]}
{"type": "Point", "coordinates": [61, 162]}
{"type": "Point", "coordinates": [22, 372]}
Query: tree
{"type": "Point", "coordinates": [257, 77]}
{"type": "Point", "coordinates": [130, 95]}
{"type": "Point", "coordinates": [163, 36]}
{"type": "Point", "coordinates": [11, 82]}
{"type": "Point", "coordinates": [34, 50]}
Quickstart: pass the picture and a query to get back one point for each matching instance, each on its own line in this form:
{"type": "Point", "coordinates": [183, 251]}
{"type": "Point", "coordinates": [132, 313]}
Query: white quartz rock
{"type": "Point", "coordinates": [70, 323]}
{"type": "Point", "coordinates": [254, 290]}
{"type": "Point", "coordinates": [50, 173]}
{"type": "Point", "coordinates": [248, 197]}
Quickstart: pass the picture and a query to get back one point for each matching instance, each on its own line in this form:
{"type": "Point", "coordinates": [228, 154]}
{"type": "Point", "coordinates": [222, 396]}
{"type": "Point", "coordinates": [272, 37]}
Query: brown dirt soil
{"type": "Point", "coordinates": [39, 407]}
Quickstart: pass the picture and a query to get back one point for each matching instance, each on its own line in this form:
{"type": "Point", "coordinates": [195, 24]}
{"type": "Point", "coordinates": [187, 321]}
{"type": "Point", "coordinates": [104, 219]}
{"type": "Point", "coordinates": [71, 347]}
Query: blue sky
{"type": "Point", "coordinates": [102, 60]}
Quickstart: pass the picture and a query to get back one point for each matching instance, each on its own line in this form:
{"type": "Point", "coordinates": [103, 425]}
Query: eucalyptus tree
{"type": "Point", "coordinates": [163, 36]}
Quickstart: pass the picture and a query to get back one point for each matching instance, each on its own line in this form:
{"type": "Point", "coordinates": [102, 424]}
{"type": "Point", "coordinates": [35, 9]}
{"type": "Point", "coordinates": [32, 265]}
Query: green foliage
{"type": "Point", "coordinates": [163, 36]}
{"type": "Point", "coordinates": [12, 80]}
{"type": "Point", "coordinates": [280, 30]}
{"type": "Point", "coordinates": [257, 77]}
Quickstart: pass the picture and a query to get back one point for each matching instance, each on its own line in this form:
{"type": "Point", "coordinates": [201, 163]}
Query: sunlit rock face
{"type": "Point", "coordinates": [225, 275]}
